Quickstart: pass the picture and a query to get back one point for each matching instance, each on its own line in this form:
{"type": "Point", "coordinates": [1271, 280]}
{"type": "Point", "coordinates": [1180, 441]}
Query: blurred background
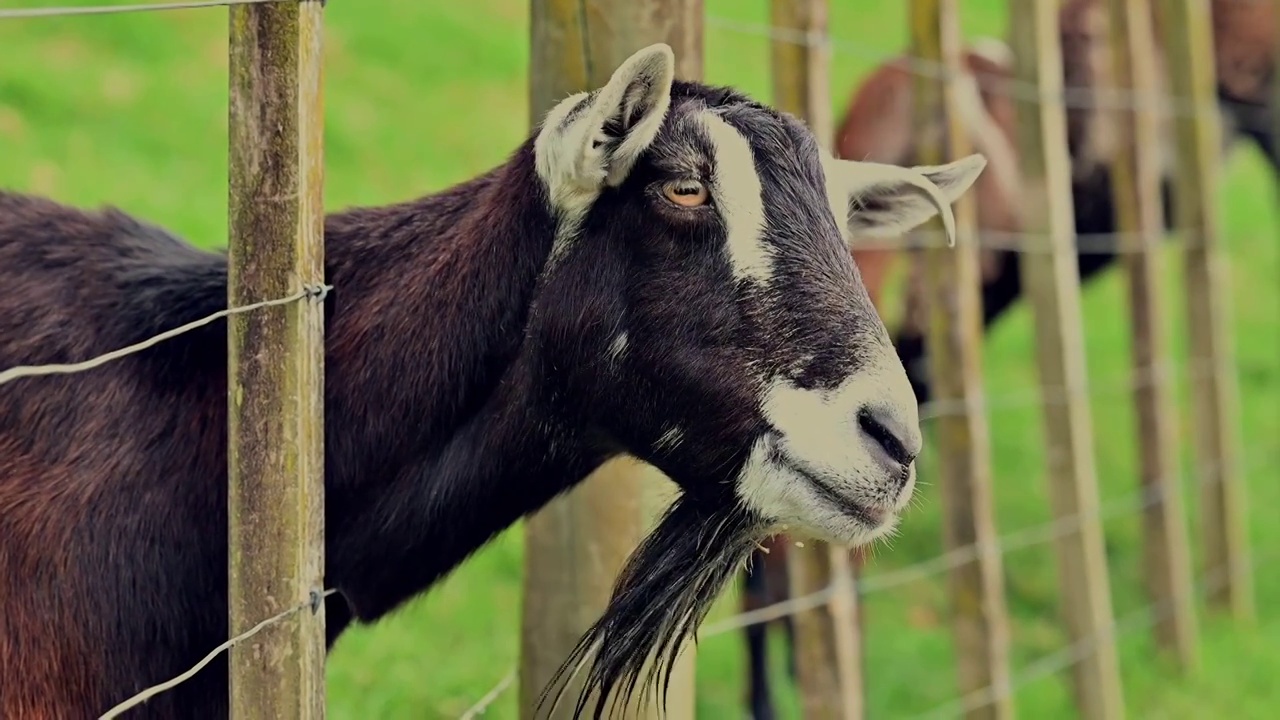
{"type": "Point", "coordinates": [131, 110]}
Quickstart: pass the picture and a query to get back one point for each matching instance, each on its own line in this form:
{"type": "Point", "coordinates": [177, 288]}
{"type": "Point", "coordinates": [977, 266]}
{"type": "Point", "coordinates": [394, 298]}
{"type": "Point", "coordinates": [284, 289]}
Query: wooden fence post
{"type": "Point", "coordinates": [575, 546]}
{"type": "Point", "coordinates": [827, 641]}
{"type": "Point", "coordinates": [1188, 41]}
{"type": "Point", "coordinates": [979, 616]}
{"type": "Point", "coordinates": [1052, 282]}
{"type": "Point", "coordinates": [275, 459]}
{"type": "Point", "coordinates": [1139, 213]}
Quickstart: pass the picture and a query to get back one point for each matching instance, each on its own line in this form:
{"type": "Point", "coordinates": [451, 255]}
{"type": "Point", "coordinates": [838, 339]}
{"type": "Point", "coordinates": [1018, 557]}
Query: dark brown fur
{"type": "Point", "coordinates": [471, 375]}
{"type": "Point", "coordinates": [112, 495]}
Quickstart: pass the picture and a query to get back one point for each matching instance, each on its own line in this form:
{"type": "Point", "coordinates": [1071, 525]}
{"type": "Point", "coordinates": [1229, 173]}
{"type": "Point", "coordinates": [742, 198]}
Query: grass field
{"type": "Point", "coordinates": [131, 110]}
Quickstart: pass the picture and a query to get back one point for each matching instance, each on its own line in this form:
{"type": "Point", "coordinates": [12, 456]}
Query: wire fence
{"type": "Point", "coordinates": [1161, 372]}
{"type": "Point", "coordinates": [1010, 542]}
{"type": "Point", "coordinates": [1103, 98]}
{"type": "Point", "coordinates": [1094, 97]}
{"type": "Point", "coordinates": [316, 293]}
{"type": "Point", "coordinates": [1031, 243]}
{"type": "Point", "coordinates": [484, 702]}
{"type": "Point", "coordinates": [22, 371]}
{"type": "Point", "coordinates": [1114, 243]}
{"type": "Point", "coordinates": [68, 11]}
{"type": "Point", "coordinates": [1059, 660]}
{"type": "Point", "coordinates": [312, 603]}
{"type": "Point", "coordinates": [1166, 372]}
{"type": "Point", "coordinates": [1024, 538]}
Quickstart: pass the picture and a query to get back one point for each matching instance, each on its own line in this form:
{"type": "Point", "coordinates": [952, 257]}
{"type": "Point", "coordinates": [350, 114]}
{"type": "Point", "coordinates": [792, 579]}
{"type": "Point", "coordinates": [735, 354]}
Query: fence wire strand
{"type": "Point", "coordinates": [1147, 376]}
{"type": "Point", "coordinates": [311, 603]}
{"type": "Point", "coordinates": [67, 11]}
{"type": "Point", "coordinates": [1054, 662]}
{"type": "Point", "coordinates": [1117, 243]}
{"type": "Point", "coordinates": [22, 371]}
{"type": "Point", "coordinates": [1103, 243]}
{"type": "Point", "coordinates": [1091, 97]}
{"type": "Point", "coordinates": [1034, 243]}
{"type": "Point", "coordinates": [1017, 540]}
{"type": "Point", "coordinates": [484, 702]}
{"type": "Point", "coordinates": [1096, 97]}
{"type": "Point", "coordinates": [1069, 655]}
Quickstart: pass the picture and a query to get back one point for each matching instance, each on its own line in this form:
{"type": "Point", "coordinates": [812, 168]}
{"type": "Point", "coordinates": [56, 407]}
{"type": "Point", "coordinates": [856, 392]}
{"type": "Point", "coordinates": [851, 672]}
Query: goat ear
{"type": "Point", "coordinates": [887, 200]}
{"type": "Point", "coordinates": [593, 139]}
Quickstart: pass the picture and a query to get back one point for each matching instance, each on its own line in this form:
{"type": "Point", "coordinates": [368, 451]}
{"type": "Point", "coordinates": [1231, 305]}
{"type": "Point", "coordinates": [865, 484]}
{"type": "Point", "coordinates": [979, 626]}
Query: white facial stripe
{"type": "Point", "coordinates": [737, 191]}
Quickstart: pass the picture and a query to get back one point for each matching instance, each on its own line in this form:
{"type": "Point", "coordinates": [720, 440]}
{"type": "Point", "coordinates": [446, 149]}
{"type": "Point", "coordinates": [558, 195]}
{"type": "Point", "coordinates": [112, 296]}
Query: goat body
{"type": "Point", "coordinates": [661, 270]}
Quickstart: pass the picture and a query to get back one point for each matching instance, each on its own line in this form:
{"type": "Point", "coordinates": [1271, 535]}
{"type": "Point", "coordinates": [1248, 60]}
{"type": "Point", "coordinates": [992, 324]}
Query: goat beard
{"type": "Point", "coordinates": [662, 595]}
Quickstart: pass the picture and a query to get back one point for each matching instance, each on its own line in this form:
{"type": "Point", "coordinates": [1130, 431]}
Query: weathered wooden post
{"type": "Point", "coordinates": [1139, 213]}
{"type": "Point", "coordinates": [576, 545]}
{"type": "Point", "coordinates": [1187, 33]}
{"type": "Point", "coordinates": [979, 616]}
{"type": "Point", "coordinates": [276, 360]}
{"type": "Point", "coordinates": [827, 643]}
{"type": "Point", "coordinates": [1050, 275]}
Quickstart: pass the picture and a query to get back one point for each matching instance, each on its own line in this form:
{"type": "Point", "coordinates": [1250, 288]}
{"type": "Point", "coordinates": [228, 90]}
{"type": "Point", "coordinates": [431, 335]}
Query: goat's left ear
{"type": "Point", "coordinates": [593, 139]}
{"type": "Point", "coordinates": [887, 200]}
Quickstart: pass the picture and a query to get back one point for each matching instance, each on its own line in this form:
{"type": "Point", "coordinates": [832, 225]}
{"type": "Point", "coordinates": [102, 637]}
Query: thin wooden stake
{"type": "Point", "coordinates": [576, 545]}
{"type": "Point", "coordinates": [275, 456]}
{"type": "Point", "coordinates": [979, 616]}
{"type": "Point", "coordinates": [1052, 282]}
{"type": "Point", "coordinates": [827, 642]}
{"type": "Point", "coordinates": [1188, 39]}
{"type": "Point", "coordinates": [1139, 211]}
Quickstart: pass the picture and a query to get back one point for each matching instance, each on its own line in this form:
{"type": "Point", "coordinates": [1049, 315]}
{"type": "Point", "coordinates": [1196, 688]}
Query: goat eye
{"type": "Point", "coordinates": [686, 193]}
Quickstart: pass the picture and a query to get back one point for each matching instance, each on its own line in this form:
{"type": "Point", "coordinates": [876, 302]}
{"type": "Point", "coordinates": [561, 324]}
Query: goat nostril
{"type": "Point", "coordinates": [898, 441]}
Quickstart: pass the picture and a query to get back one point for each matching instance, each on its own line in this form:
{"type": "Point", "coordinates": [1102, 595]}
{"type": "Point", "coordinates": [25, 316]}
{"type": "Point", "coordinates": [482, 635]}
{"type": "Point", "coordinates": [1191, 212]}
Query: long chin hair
{"type": "Point", "coordinates": [660, 598]}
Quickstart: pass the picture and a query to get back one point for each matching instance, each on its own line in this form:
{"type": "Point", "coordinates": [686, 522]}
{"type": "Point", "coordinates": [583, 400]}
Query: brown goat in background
{"type": "Point", "coordinates": [660, 269]}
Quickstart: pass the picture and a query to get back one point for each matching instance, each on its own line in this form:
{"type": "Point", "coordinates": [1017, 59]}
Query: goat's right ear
{"type": "Point", "coordinates": [881, 200]}
{"type": "Point", "coordinates": [591, 140]}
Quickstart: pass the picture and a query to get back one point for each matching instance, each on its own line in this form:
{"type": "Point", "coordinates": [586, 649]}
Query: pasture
{"type": "Point", "coordinates": [131, 110]}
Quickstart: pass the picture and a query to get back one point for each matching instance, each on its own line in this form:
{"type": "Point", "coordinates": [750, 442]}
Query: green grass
{"type": "Point", "coordinates": [131, 110]}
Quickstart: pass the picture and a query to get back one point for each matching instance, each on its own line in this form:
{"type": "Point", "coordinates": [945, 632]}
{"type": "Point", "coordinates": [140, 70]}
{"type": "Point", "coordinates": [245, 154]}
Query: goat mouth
{"type": "Point", "coordinates": [869, 516]}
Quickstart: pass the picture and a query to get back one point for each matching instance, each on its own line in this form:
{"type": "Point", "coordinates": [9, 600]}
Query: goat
{"type": "Point", "coordinates": [662, 269]}
{"type": "Point", "coordinates": [1244, 48]}
{"type": "Point", "coordinates": [878, 125]}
